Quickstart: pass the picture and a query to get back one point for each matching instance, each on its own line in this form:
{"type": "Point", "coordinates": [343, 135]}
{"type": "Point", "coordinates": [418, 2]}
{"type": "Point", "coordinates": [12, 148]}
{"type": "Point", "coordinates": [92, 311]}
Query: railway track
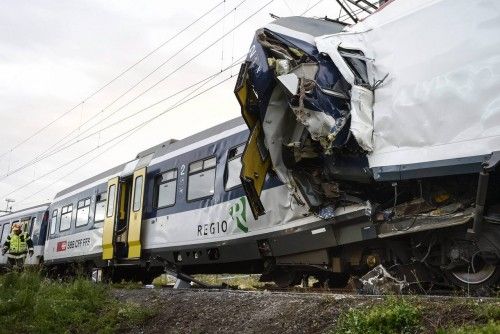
{"type": "Point", "coordinates": [335, 292]}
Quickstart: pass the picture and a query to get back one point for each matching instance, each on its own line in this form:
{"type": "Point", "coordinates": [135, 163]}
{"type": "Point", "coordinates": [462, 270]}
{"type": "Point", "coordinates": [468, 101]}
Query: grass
{"type": "Point", "coordinates": [394, 315]}
{"type": "Point", "coordinates": [491, 327]}
{"type": "Point", "coordinates": [30, 303]}
{"type": "Point", "coordinates": [410, 315]}
{"type": "Point", "coordinates": [487, 320]}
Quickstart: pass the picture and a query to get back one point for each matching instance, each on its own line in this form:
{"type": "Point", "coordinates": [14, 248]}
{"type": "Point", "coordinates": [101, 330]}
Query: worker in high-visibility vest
{"type": "Point", "coordinates": [17, 245]}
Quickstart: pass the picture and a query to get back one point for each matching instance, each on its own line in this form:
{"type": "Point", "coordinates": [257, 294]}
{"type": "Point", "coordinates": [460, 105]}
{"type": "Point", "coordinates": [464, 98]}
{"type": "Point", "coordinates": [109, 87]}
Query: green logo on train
{"type": "Point", "coordinates": [238, 212]}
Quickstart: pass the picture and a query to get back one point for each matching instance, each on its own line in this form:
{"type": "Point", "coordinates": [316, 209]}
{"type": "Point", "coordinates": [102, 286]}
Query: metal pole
{"type": "Point", "coordinates": [482, 190]}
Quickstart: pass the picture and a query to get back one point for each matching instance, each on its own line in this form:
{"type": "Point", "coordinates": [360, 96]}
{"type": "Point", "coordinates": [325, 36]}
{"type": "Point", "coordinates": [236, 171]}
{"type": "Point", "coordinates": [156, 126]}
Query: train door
{"type": "Point", "coordinates": [109, 220]}
{"type": "Point", "coordinates": [135, 214]}
{"type": "Point", "coordinates": [5, 231]}
{"type": "Point", "coordinates": [122, 224]}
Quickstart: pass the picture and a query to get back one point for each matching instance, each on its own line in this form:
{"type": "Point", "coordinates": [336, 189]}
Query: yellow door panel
{"type": "Point", "coordinates": [255, 160]}
{"type": "Point", "coordinates": [109, 220]}
{"type": "Point", "coordinates": [245, 96]}
{"type": "Point", "coordinates": [254, 168]}
{"type": "Point", "coordinates": [135, 214]}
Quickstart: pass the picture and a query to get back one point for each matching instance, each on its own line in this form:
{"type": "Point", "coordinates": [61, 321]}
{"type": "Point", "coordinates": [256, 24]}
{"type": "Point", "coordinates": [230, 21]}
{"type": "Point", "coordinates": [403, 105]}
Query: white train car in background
{"type": "Point", "coordinates": [34, 221]}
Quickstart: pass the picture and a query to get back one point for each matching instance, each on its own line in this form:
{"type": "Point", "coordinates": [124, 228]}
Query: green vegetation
{"type": "Point", "coordinates": [30, 303]}
{"type": "Point", "coordinates": [487, 318]}
{"type": "Point", "coordinates": [492, 327]}
{"type": "Point", "coordinates": [407, 315]}
{"type": "Point", "coordinates": [394, 315]}
{"type": "Point", "coordinates": [487, 311]}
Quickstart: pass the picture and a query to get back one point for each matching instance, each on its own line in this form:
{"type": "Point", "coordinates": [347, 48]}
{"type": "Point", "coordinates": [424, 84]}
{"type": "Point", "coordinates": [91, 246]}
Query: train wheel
{"type": "Point", "coordinates": [480, 280]}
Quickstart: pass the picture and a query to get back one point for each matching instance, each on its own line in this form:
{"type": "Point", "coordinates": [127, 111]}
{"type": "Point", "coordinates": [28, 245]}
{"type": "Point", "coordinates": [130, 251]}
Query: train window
{"type": "Point", "coordinates": [82, 212]}
{"type": "Point", "coordinates": [35, 231]}
{"type": "Point", "coordinates": [138, 193]}
{"type": "Point", "coordinates": [100, 208]}
{"type": "Point", "coordinates": [166, 188]}
{"type": "Point", "coordinates": [5, 232]}
{"type": "Point", "coordinates": [209, 163]}
{"type": "Point", "coordinates": [25, 224]}
{"type": "Point", "coordinates": [32, 223]}
{"type": "Point", "coordinates": [66, 213]}
{"type": "Point", "coordinates": [234, 167]}
{"type": "Point", "coordinates": [111, 203]}
{"type": "Point", "coordinates": [201, 181]}
{"type": "Point", "coordinates": [53, 222]}
{"type": "Point", "coordinates": [196, 166]}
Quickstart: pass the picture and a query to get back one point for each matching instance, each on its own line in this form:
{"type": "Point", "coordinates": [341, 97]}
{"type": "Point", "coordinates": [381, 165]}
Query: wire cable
{"type": "Point", "coordinates": [308, 9]}
{"type": "Point", "coordinates": [128, 134]}
{"type": "Point", "coordinates": [54, 148]}
{"type": "Point", "coordinates": [76, 169]}
{"type": "Point", "coordinates": [58, 144]}
{"type": "Point", "coordinates": [110, 81]}
{"type": "Point", "coordinates": [62, 148]}
{"type": "Point", "coordinates": [175, 106]}
{"type": "Point", "coordinates": [114, 138]}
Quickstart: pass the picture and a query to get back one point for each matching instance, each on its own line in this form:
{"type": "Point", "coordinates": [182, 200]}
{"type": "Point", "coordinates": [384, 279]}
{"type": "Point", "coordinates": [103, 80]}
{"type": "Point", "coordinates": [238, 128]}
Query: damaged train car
{"type": "Point", "coordinates": [399, 112]}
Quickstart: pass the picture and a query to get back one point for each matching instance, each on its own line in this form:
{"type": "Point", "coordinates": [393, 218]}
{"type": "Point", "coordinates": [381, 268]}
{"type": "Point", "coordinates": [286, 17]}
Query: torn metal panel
{"type": "Point", "coordinates": [255, 160]}
{"type": "Point", "coordinates": [255, 163]}
{"type": "Point", "coordinates": [289, 90]}
{"type": "Point", "coordinates": [424, 222]}
{"type": "Point", "coordinates": [280, 131]}
{"type": "Point", "coordinates": [348, 53]}
{"type": "Point", "coordinates": [362, 116]}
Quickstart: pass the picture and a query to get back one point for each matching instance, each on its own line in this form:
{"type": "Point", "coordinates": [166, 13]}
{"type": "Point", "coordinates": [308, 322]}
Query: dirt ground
{"type": "Point", "coordinates": [202, 311]}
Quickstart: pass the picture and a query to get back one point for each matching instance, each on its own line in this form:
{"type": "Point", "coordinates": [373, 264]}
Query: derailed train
{"type": "Point", "coordinates": [360, 145]}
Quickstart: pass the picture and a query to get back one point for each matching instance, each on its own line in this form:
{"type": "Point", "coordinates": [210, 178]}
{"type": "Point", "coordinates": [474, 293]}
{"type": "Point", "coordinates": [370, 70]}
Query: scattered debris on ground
{"type": "Point", "coordinates": [379, 281]}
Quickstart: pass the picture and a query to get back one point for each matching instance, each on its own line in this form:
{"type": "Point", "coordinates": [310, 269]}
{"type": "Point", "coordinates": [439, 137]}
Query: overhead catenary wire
{"type": "Point", "coordinates": [101, 88]}
{"type": "Point", "coordinates": [181, 66]}
{"type": "Point", "coordinates": [308, 9]}
{"type": "Point", "coordinates": [126, 135]}
{"type": "Point", "coordinates": [186, 45]}
{"type": "Point", "coordinates": [61, 141]}
{"type": "Point", "coordinates": [92, 118]}
{"type": "Point", "coordinates": [65, 147]}
{"type": "Point", "coordinates": [132, 129]}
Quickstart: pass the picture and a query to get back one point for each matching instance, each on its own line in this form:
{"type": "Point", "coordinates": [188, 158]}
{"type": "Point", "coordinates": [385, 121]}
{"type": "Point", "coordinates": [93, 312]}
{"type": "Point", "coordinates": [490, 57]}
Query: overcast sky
{"type": "Point", "coordinates": [54, 54]}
